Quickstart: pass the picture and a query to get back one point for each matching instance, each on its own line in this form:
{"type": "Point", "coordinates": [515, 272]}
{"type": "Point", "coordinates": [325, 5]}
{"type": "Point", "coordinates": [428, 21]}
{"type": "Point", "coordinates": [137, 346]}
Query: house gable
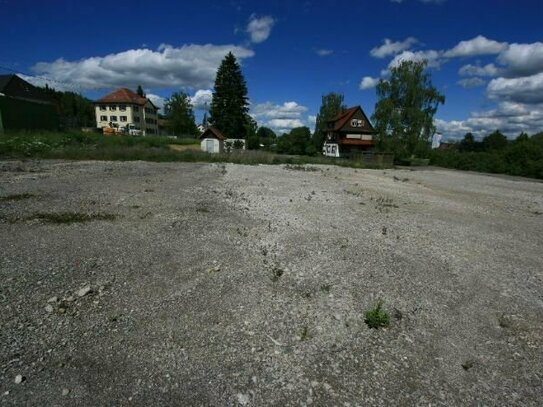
{"type": "Point", "coordinates": [357, 122]}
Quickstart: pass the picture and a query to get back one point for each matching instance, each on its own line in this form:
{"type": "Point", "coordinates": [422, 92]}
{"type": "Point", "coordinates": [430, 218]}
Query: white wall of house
{"type": "Point", "coordinates": [212, 145]}
{"type": "Point", "coordinates": [143, 117]}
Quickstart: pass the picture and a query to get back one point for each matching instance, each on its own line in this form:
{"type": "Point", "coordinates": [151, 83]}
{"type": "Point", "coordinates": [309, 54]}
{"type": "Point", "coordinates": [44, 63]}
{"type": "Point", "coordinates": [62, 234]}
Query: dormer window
{"type": "Point", "coordinates": [113, 108]}
{"type": "Point", "coordinates": [122, 108]}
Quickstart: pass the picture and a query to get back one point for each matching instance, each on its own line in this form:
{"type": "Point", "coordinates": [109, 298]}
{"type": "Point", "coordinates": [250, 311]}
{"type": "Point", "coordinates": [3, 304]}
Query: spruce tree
{"type": "Point", "coordinates": [229, 106]}
{"type": "Point", "coordinates": [179, 113]}
{"type": "Point", "coordinates": [140, 91]}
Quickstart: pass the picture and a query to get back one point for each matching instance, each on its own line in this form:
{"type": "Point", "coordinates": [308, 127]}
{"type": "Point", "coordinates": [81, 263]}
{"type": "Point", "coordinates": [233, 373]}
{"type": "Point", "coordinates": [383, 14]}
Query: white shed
{"type": "Point", "coordinates": [212, 141]}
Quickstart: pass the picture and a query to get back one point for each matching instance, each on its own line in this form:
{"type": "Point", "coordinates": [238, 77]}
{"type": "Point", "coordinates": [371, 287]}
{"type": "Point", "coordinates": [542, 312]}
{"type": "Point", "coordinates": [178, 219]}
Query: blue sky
{"type": "Point", "coordinates": [485, 56]}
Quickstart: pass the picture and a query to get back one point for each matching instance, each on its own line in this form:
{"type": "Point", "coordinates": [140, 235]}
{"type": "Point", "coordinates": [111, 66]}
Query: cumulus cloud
{"type": "Point", "coordinates": [368, 82]}
{"type": "Point", "coordinates": [191, 65]}
{"type": "Point", "coordinates": [157, 100]}
{"type": "Point", "coordinates": [324, 52]}
{"type": "Point", "coordinates": [259, 29]}
{"type": "Point", "coordinates": [281, 118]}
{"type": "Point", "coordinates": [523, 59]}
{"type": "Point", "coordinates": [479, 45]}
{"type": "Point", "coordinates": [431, 56]}
{"type": "Point", "coordinates": [527, 89]}
{"type": "Point", "coordinates": [392, 47]}
{"type": "Point", "coordinates": [509, 117]}
{"type": "Point", "coordinates": [471, 82]}
{"type": "Point", "coordinates": [476, 70]}
{"type": "Point", "coordinates": [201, 99]}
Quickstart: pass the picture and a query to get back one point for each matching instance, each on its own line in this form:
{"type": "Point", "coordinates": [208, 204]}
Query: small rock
{"type": "Point", "coordinates": [19, 379]}
{"type": "Point", "coordinates": [84, 291]}
{"type": "Point", "coordinates": [243, 399]}
{"type": "Point", "coordinates": [53, 299]}
{"type": "Point", "coordinates": [61, 310]}
{"type": "Point", "coordinates": [70, 299]}
{"type": "Point", "coordinates": [214, 269]}
{"type": "Point", "coordinates": [49, 308]}
{"type": "Point", "coordinates": [65, 392]}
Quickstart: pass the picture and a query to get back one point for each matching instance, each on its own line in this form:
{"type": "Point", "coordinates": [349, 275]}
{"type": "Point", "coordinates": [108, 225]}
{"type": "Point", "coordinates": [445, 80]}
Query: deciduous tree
{"type": "Point", "coordinates": [404, 113]}
{"type": "Point", "coordinates": [331, 106]}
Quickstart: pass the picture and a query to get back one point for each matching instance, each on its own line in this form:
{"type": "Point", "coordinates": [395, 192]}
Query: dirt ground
{"type": "Point", "coordinates": [134, 283]}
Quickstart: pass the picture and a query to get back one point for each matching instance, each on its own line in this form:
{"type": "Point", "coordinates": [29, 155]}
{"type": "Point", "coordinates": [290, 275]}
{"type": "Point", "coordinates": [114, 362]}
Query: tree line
{"type": "Point", "coordinates": [494, 153]}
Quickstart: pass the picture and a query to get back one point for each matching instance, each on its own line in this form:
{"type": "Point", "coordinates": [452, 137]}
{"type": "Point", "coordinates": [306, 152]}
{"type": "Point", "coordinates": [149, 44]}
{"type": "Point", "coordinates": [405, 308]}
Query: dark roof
{"type": "Point", "coordinates": [343, 118]}
{"type": "Point", "coordinates": [16, 87]}
{"type": "Point", "coordinates": [212, 131]}
{"type": "Point", "coordinates": [4, 80]}
{"type": "Point", "coordinates": [125, 95]}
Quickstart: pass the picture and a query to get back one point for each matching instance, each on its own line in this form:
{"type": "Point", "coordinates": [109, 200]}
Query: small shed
{"type": "Point", "coordinates": [212, 140]}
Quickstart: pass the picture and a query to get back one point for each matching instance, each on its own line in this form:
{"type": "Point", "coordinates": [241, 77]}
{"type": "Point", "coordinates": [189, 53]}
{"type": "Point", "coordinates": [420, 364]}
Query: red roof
{"type": "Point", "coordinates": [124, 95]}
{"type": "Point", "coordinates": [342, 119]}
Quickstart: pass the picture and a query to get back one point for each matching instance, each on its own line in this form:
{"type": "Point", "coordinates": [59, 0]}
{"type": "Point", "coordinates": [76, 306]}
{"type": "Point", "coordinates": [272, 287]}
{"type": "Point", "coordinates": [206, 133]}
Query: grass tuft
{"type": "Point", "coordinates": [377, 317]}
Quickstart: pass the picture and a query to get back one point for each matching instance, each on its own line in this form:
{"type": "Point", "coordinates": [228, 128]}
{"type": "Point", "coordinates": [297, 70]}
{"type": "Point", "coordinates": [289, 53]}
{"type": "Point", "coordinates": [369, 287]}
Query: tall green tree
{"type": "Point", "coordinates": [332, 105]}
{"type": "Point", "coordinates": [266, 136]}
{"type": "Point", "coordinates": [180, 115]}
{"type": "Point", "coordinates": [230, 104]}
{"type": "Point", "coordinates": [494, 141]}
{"type": "Point", "coordinates": [297, 142]}
{"type": "Point", "coordinates": [140, 91]}
{"type": "Point", "coordinates": [404, 112]}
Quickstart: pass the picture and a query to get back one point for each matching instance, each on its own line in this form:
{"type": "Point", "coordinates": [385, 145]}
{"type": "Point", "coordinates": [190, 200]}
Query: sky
{"type": "Point", "coordinates": [485, 56]}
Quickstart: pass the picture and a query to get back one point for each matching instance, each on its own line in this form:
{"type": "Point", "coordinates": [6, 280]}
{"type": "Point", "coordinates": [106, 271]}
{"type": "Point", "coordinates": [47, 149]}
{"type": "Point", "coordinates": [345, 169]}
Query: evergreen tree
{"type": "Point", "coordinates": [140, 92]}
{"type": "Point", "coordinates": [332, 105]}
{"type": "Point", "coordinates": [180, 115]}
{"type": "Point", "coordinates": [229, 106]}
{"type": "Point", "coordinates": [405, 110]}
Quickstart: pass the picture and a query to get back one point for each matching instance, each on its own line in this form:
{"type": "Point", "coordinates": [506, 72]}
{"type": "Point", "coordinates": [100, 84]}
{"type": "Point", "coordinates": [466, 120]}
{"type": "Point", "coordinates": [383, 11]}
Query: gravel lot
{"type": "Point", "coordinates": [223, 285]}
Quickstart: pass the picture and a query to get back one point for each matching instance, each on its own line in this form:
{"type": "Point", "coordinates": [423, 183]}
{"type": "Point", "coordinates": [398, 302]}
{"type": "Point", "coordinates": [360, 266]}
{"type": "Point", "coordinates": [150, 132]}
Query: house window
{"type": "Point", "coordinates": [136, 109]}
{"type": "Point", "coordinates": [136, 119]}
{"type": "Point", "coordinates": [122, 108]}
{"type": "Point", "coordinates": [113, 118]}
{"type": "Point", "coordinates": [113, 107]}
{"type": "Point", "coordinates": [103, 118]}
{"type": "Point", "coordinates": [102, 108]}
{"type": "Point", "coordinates": [123, 118]}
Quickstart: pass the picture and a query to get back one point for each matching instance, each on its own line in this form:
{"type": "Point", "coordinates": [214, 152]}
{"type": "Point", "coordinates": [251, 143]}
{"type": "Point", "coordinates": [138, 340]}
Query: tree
{"type": "Point", "coordinates": [405, 110]}
{"type": "Point", "coordinates": [229, 106]}
{"type": "Point", "coordinates": [468, 143]}
{"type": "Point", "coordinates": [140, 92]}
{"type": "Point", "coordinates": [495, 141]}
{"type": "Point", "coordinates": [331, 106]}
{"type": "Point", "coordinates": [266, 136]}
{"type": "Point", "coordinates": [297, 142]}
{"type": "Point", "coordinates": [252, 138]}
{"type": "Point", "coordinates": [178, 109]}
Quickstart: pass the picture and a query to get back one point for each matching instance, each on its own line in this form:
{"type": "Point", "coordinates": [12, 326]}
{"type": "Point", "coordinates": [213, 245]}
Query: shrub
{"type": "Point", "coordinates": [377, 317]}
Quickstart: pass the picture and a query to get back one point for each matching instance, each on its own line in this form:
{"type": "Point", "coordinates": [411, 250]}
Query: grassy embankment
{"type": "Point", "coordinates": [85, 146]}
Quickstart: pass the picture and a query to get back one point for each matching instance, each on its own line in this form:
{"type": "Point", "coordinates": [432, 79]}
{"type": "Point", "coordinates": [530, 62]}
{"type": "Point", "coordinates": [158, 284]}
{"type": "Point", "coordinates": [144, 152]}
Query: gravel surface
{"type": "Point", "coordinates": [134, 283]}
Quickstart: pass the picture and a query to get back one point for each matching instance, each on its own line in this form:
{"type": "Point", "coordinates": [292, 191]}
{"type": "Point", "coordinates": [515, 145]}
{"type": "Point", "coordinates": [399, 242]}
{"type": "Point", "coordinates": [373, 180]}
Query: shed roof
{"type": "Point", "coordinates": [16, 87]}
{"type": "Point", "coordinates": [212, 132]}
{"type": "Point", "coordinates": [343, 118]}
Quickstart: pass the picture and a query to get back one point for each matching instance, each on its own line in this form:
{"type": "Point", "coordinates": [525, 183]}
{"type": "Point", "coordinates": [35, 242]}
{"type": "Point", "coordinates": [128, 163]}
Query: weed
{"type": "Point", "coordinates": [70, 217]}
{"type": "Point", "coordinates": [16, 197]}
{"type": "Point", "coordinates": [325, 288]}
{"type": "Point", "coordinates": [305, 333]}
{"type": "Point", "coordinates": [377, 317]}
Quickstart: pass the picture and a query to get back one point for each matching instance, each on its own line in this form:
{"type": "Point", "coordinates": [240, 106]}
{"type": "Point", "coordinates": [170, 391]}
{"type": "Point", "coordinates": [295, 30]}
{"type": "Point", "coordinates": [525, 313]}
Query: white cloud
{"type": "Point", "coordinates": [282, 118]}
{"type": "Point", "coordinates": [368, 82]}
{"type": "Point", "coordinates": [186, 66]}
{"type": "Point", "coordinates": [479, 45]}
{"type": "Point", "coordinates": [471, 82]}
{"type": "Point", "coordinates": [324, 52]}
{"type": "Point", "coordinates": [477, 70]}
{"type": "Point", "coordinates": [392, 48]}
{"type": "Point", "coordinates": [524, 90]}
{"type": "Point", "coordinates": [201, 98]}
{"type": "Point", "coordinates": [157, 100]}
{"type": "Point", "coordinates": [523, 59]}
{"type": "Point", "coordinates": [259, 29]}
{"type": "Point", "coordinates": [431, 56]}
{"type": "Point", "coordinates": [510, 118]}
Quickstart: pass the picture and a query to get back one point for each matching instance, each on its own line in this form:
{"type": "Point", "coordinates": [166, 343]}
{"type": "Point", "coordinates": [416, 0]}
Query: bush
{"type": "Point", "coordinates": [377, 317]}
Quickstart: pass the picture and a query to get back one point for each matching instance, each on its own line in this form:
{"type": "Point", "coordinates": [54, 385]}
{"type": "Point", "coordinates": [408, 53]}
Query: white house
{"type": "Point", "coordinates": [125, 107]}
{"type": "Point", "coordinates": [212, 140]}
